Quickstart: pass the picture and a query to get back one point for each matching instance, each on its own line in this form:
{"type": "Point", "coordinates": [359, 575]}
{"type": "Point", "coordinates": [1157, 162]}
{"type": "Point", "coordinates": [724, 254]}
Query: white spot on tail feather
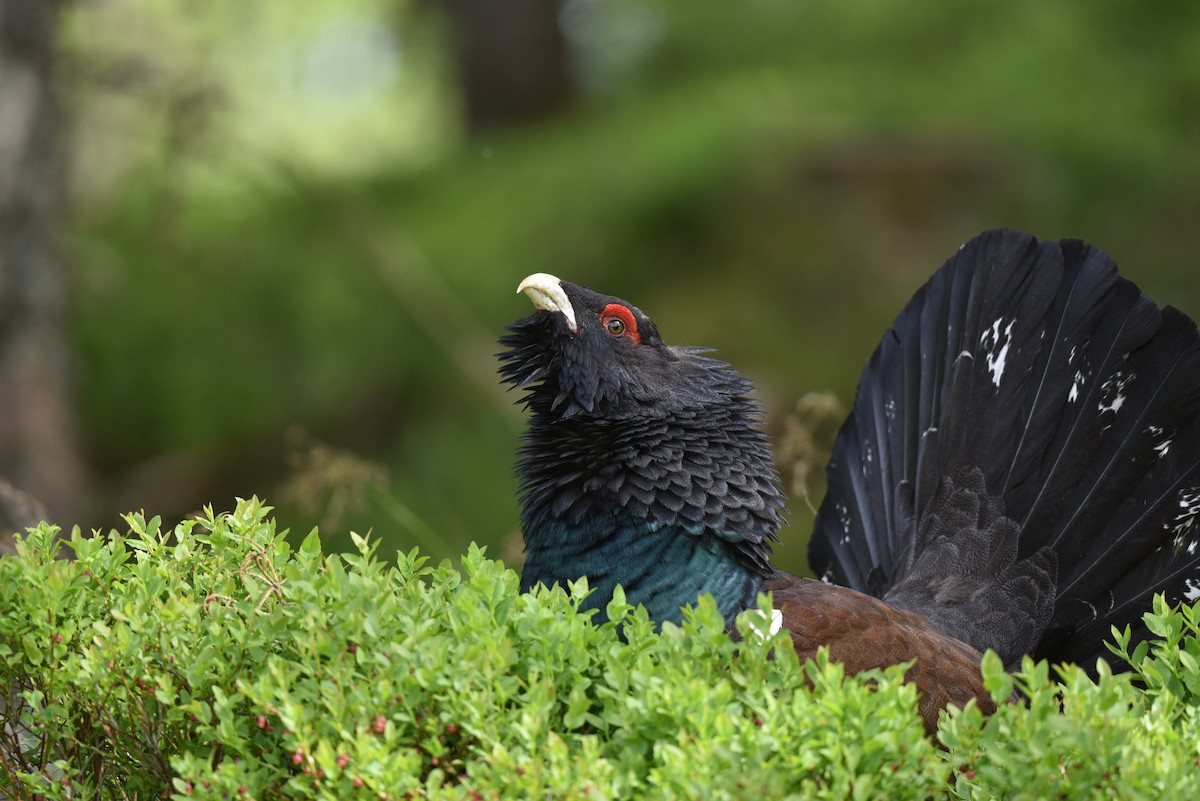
{"type": "Point", "coordinates": [1163, 446]}
{"type": "Point", "coordinates": [1192, 591]}
{"type": "Point", "coordinates": [843, 513]}
{"type": "Point", "coordinates": [1112, 393]}
{"type": "Point", "coordinates": [1076, 385]}
{"type": "Point", "coordinates": [995, 344]}
{"type": "Point", "coordinates": [1185, 520]}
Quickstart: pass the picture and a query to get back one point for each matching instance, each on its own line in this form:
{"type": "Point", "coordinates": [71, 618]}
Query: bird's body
{"type": "Point", "coordinates": [1020, 470]}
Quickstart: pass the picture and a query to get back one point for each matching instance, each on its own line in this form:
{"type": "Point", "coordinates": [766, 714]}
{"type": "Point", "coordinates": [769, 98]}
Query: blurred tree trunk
{"type": "Point", "coordinates": [39, 450]}
{"type": "Point", "coordinates": [513, 61]}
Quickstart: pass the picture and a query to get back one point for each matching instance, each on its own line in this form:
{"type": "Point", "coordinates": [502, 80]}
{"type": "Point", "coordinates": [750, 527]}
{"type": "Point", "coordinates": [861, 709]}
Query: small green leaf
{"type": "Point", "coordinates": [33, 649]}
{"type": "Point", "coordinates": [311, 547]}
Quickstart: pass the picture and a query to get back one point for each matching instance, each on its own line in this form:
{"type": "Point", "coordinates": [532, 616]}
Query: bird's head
{"type": "Point", "coordinates": [587, 354]}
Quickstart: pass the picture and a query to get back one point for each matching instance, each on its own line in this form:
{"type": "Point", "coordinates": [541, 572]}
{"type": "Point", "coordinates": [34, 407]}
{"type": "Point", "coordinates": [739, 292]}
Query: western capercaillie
{"type": "Point", "coordinates": [1020, 470]}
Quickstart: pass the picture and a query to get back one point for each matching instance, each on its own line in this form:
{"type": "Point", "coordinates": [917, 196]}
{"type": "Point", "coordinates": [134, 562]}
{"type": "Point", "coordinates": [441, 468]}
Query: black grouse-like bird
{"type": "Point", "coordinates": [1020, 471]}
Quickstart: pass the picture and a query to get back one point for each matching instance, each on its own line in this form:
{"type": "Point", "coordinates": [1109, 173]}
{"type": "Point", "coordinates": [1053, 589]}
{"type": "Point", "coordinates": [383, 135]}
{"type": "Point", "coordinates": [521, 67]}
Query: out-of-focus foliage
{"type": "Point", "coordinates": [280, 223]}
{"type": "Point", "coordinates": [224, 90]}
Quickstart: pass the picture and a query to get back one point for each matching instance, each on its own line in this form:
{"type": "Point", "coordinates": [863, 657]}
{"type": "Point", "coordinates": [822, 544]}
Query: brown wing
{"type": "Point", "coordinates": [863, 632]}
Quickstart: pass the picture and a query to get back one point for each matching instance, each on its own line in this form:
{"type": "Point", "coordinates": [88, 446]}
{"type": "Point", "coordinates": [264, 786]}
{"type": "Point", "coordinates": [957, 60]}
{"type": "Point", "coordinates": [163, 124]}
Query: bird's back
{"type": "Point", "coordinates": [863, 633]}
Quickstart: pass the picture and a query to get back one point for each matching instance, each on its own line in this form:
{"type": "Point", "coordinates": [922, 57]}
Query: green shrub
{"type": "Point", "coordinates": [212, 661]}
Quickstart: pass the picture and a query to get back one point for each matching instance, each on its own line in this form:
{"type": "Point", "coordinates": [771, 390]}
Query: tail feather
{"type": "Point", "coordinates": [1150, 545]}
{"type": "Point", "coordinates": [1078, 401]}
{"type": "Point", "coordinates": [1071, 442]}
{"type": "Point", "coordinates": [1160, 386]}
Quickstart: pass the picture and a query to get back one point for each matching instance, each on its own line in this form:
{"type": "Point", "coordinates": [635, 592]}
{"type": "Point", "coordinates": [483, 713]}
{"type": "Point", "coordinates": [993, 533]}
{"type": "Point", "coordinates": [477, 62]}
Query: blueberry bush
{"type": "Point", "coordinates": [212, 660]}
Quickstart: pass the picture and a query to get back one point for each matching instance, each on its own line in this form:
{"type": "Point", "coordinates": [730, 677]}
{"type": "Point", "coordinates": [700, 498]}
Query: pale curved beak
{"type": "Point", "coordinates": [547, 293]}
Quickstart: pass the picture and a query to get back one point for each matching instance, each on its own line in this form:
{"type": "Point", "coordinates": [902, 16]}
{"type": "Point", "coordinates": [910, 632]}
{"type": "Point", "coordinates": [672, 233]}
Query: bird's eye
{"type": "Point", "coordinates": [618, 321]}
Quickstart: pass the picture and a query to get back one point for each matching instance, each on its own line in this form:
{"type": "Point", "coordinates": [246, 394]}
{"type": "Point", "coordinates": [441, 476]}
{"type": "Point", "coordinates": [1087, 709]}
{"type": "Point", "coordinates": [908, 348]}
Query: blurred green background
{"type": "Point", "coordinates": [297, 228]}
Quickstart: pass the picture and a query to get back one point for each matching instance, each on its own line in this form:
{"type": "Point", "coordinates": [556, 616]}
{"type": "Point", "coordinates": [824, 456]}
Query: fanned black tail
{"type": "Point", "coordinates": [1027, 401]}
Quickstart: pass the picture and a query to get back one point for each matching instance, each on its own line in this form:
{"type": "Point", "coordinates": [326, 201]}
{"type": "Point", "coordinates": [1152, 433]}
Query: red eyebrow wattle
{"type": "Point", "coordinates": [623, 314]}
